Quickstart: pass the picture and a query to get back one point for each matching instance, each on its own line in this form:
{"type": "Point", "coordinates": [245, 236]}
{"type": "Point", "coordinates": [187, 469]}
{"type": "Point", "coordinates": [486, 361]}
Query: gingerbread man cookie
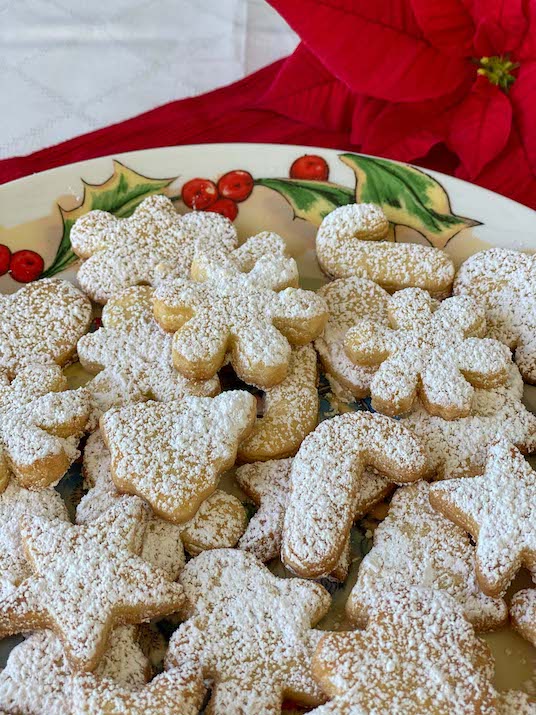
{"type": "Point", "coordinates": [63, 594]}
{"type": "Point", "coordinates": [418, 654]}
{"type": "Point", "coordinates": [457, 448]}
{"type": "Point", "coordinates": [16, 504]}
{"type": "Point", "coordinates": [131, 356]}
{"type": "Point", "coordinates": [40, 425]}
{"type": "Point", "coordinates": [348, 300]}
{"type": "Point", "coordinates": [523, 613]}
{"type": "Point", "coordinates": [146, 248]}
{"type": "Point", "coordinates": [350, 242]}
{"type": "Point", "coordinates": [170, 693]}
{"type": "Point", "coordinates": [37, 678]}
{"type": "Point", "coordinates": [504, 282]}
{"type": "Point", "coordinates": [41, 323]}
{"type": "Point", "coordinates": [250, 632]}
{"type": "Point", "coordinates": [242, 310]}
{"type": "Point", "coordinates": [172, 454]}
{"type": "Point", "coordinates": [290, 411]}
{"type": "Point", "coordinates": [434, 350]}
{"type": "Point", "coordinates": [498, 509]}
{"type": "Point", "coordinates": [268, 485]}
{"type": "Point", "coordinates": [326, 478]}
{"type": "Point", "coordinates": [415, 546]}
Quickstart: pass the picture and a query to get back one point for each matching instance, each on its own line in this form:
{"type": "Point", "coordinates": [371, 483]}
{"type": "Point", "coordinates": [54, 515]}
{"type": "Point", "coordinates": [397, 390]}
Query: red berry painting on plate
{"type": "Point", "coordinates": [225, 207]}
{"type": "Point", "coordinates": [5, 257]}
{"type": "Point", "coordinates": [311, 167]}
{"type": "Point", "coordinates": [26, 266]}
{"type": "Point", "coordinates": [236, 185]}
{"type": "Point", "coordinates": [199, 194]}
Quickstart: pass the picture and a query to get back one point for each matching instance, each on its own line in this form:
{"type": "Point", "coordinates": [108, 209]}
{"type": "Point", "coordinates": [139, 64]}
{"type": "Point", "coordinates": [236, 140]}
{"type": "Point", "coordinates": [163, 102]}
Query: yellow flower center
{"type": "Point", "coordinates": [498, 70]}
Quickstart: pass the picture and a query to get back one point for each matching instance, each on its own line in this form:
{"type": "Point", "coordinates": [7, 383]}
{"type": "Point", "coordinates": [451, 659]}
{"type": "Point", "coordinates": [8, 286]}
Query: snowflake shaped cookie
{"type": "Point", "coordinates": [498, 509]}
{"type": "Point", "coordinates": [243, 309]}
{"type": "Point", "coordinates": [40, 425]}
{"type": "Point", "coordinates": [326, 478]}
{"type": "Point", "coordinates": [416, 546]}
{"type": "Point", "coordinates": [63, 594]}
{"type": "Point", "coordinates": [504, 282]}
{"type": "Point", "coordinates": [418, 654]}
{"type": "Point", "coordinates": [250, 632]}
{"type": "Point", "coordinates": [434, 350]}
{"type": "Point", "coordinates": [41, 323]}
{"type": "Point", "coordinates": [172, 454]}
{"type": "Point", "coordinates": [131, 356]}
{"type": "Point", "coordinates": [146, 248]}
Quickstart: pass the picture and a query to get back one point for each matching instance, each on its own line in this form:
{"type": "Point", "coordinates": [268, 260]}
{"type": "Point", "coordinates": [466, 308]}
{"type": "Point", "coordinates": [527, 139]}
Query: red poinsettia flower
{"type": "Point", "coordinates": [407, 75]}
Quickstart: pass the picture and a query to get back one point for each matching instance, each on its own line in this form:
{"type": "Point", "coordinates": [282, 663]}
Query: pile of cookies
{"type": "Point", "coordinates": [205, 357]}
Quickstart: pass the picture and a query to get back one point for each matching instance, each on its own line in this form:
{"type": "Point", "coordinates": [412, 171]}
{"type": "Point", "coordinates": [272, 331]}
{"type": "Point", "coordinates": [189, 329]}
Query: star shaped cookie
{"type": "Point", "coordinates": [435, 350]}
{"type": "Point", "coordinates": [416, 546]}
{"type": "Point", "coordinates": [41, 323]}
{"type": "Point", "coordinates": [172, 454]}
{"type": "Point", "coordinates": [457, 448]}
{"type": "Point", "coordinates": [37, 678]}
{"type": "Point", "coordinates": [146, 248]}
{"type": "Point", "coordinates": [131, 357]}
{"type": "Point", "coordinates": [243, 311]}
{"type": "Point", "coordinates": [250, 632]}
{"type": "Point", "coordinates": [498, 508]}
{"type": "Point", "coordinates": [417, 654]}
{"type": "Point", "coordinates": [63, 594]}
{"type": "Point", "coordinates": [40, 425]}
{"type": "Point", "coordinates": [504, 282]}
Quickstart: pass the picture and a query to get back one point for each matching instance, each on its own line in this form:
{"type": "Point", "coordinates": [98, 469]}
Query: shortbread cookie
{"type": "Point", "coordinates": [243, 312]}
{"type": "Point", "coordinates": [38, 680]}
{"type": "Point", "coordinates": [250, 632]}
{"type": "Point", "coordinates": [268, 485]}
{"type": "Point", "coordinates": [85, 580]}
{"type": "Point", "coordinates": [171, 693]}
{"type": "Point", "coordinates": [349, 243]}
{"type": "Point", "coordinates": [41, 323]}
{"type": "Point", "coordinates": [523, 613]}
{"type": "Point", "coordinates": [219, 522]}
{"type": "Point", "coordinates": [457, 448]}
{"type": "Point", "coordinates": [515, 702]}
{"type": "Point", "coordinates": [504, 282]}
{"type": "Point", "coordinates": [290, 412]}
{"type": "Point", "coordinates": [40, 425]}
{"type": "Point", "coordinates": [418, 654]}
{"type": "Point", "coordinates": [433, 349]}
{"type": "Point", "coordinates": [349, 300]}
{"type": "Point", "coordinates": [497, 509]}
{"type": "Point", "coordinates": [325, 480]}
{"type": "Point", "coordinates": [146, 248]}
{"type": "Point", "coordinates": [416, 546]}
{"type": "Point", "coordinates": [172, 454]}
{"type": "Point", "coordinates": [16, 504]}
{"type": "Point", "coordinates": [131, 357]}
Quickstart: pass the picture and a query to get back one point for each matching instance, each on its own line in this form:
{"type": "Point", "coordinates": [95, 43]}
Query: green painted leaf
{"type": "Point", "coordinates": [120, 195]}
{"type": "Point", "coordinates": [310, 200]}
{"type": "Point", "coordinates": [408, 196]}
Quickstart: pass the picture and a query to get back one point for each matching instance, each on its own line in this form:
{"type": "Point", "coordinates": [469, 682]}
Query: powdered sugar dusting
{"type": "Point", "coordinates": [348, 243]}
{"type": "Point", "coordinates": [505, 282]}
{"type": "Point", "coordinates": [416, 546]}
{"type": "Point", "coordinates": [325, 480]}
{"type": "Point", "coordinates": [523, 613]}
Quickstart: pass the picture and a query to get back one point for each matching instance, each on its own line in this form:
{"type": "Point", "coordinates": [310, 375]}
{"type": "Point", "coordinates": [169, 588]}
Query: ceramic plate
{"type": "Point", "coordinates": [37, 214]}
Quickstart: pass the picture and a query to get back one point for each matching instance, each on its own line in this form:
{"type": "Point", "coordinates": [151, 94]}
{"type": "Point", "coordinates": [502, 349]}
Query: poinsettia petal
{"type": "Point", "coordinates": [480, 126]}
{"type": "Point", "coordinates": [366, 111]}
{"type": "Point", "coordinates": [500, 25]}
{"type": "Point", "coordinates": [306, 91]}
{"type": "Point", "coordinates": [355, 43]}
{"type": "Point", "coordinates": [527, 49]}
{"type": "Point", "coordinates": [509, 173]}
{"type": "Point", "coordinates": [523, 98]}
{"type": "Point", "coordinates": [446, 24]}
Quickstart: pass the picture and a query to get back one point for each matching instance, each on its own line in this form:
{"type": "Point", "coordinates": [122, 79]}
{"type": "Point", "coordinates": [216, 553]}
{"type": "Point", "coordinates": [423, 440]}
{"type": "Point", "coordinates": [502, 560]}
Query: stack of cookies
{"type": "Point", "coordinates": [159, 595]}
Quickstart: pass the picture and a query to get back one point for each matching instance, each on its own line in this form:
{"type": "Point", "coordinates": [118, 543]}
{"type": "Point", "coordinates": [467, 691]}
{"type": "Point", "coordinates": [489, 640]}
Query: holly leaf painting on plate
{"type": "Point", "coordinates": [310, 200]}
{"type": "Point", "coordinates": [120, 195]}
{"type": "Point", "coordinates": [408, 197]}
